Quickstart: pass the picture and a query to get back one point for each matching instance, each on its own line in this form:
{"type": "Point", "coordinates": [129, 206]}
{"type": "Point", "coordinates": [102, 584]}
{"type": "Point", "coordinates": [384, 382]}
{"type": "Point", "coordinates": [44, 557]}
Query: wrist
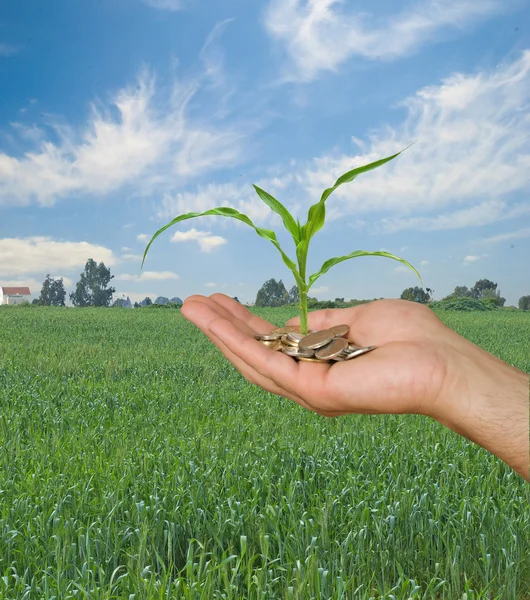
{"type": "Point", "coordinates": [486, 401]}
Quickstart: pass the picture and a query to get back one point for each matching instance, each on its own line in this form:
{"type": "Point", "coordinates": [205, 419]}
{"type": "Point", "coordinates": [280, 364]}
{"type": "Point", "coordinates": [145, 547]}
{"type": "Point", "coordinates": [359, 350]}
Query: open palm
{"type": "Point", "coordinates": [405, 374]}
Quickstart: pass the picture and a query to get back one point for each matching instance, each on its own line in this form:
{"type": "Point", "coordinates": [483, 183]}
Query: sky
{"type": "Point", "coordinates": [117, 116]}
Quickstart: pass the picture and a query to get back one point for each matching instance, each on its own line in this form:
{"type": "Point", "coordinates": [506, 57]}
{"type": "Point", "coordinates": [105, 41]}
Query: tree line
{"type": "Point", "coordinates": [93, 289]}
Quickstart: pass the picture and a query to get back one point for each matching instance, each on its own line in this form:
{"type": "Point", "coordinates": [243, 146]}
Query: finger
{"type": "Point", "coordinates": [303, 380]}
{"type": "Point", "coordinates": [257, 324]}
{"type": "Point", "coordinates": [203, 312]}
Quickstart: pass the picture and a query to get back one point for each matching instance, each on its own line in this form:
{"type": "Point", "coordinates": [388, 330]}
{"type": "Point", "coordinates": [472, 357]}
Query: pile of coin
{"type": "Point", "coordinates": [323, 346]}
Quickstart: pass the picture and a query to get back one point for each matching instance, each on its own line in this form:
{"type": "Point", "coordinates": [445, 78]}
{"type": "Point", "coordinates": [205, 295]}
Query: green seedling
{"type": "Point", "coordinates": [301, 234]}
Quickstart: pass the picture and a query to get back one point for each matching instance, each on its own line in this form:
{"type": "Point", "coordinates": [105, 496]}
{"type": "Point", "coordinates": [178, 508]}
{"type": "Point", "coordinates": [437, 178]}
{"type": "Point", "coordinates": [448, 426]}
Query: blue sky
{"type": "Point", "coordinates": [116, 116]}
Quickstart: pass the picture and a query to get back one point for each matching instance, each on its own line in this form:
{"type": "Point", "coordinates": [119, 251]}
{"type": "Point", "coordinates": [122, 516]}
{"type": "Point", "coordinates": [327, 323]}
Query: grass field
{"type": "Point", "coordinates": [137, 463]}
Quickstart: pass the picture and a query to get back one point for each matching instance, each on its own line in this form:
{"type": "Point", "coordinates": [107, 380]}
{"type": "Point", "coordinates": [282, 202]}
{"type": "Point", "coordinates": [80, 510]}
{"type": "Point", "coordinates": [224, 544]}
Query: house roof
{"type": "Point", "coordinates": [11, 291]}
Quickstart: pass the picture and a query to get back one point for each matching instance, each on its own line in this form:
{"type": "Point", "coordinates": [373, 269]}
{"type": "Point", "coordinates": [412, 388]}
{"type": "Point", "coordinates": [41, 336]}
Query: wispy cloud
{"type": "Point", "coordinates": [470, 259]}
{"type": "Point", "coordinates": [152, 143]}
{"type": "Point", "coordinates": [30, 255]}
{"type": "Point", "coordinates": [148, 276]}
{"type": "Point", "coordinates": [506, 237]}
{"type": "Point", "coordinates": [8, 49]}
{"type": "Point", "coordinates": [471, 156]}
{"type": "Point", "coordinates": [137, 257]}
{"type": "Point", "coordinates": [171, 5]}
{"type": "Point", "coordinates": [143, 237]}
{"type": "Point", "coordinates": [472, 137]}
{"type": "Point", "coordinates": [207, 242]}
{"type": "Point", "coordinates": [320, 35]}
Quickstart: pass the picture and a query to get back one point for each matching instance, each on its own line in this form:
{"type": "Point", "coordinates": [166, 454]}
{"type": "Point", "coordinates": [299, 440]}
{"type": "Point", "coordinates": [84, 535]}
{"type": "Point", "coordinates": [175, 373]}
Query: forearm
{"type": "Point", "coordinates": [487, 401]}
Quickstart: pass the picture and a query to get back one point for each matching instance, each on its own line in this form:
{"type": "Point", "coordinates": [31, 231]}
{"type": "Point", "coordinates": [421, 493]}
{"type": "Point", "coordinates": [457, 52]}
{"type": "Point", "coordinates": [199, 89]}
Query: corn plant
{"type": "Point", "coordinates": [301, 234]}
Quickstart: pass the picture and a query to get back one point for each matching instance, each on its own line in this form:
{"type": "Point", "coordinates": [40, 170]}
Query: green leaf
{"type": "Point", "coordinates": [316, 214]}
{"type": "Point", "coordinates": [279, 208]}
{"type": "Point", "coordinates": [334, 261]}
{"type": "Point", "coordinates": [224, 211]}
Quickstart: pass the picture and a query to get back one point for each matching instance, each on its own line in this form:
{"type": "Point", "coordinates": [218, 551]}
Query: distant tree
{"type": "Point", "coordinates": [236, 299]}
{"type": "Point", "coordinates": [136, 305]}
{"type": "Point", "coordinates": [52, 292]}
{"type": "Point", "coordinates": [119, 303]}
{"type": "Point", "coordinates": [339, 300]}
{"type": "Point", "coordinates": [416, 294]}
{"type": "Point", "coordinates": [272, 293]}
{"type": "Point", "coordinates": [524, 302]}
{"type": "Point", "coordinates": [35, 301]}
{"type": "Point", "coordinates": [462, 291]}
{"type": "Point", "coordinates": [478, 291]}
{"type": "Point", "coordinates": [146, 302]}
{"type": "Point", "coordinates": [293, 297]}
{"type": "Point", "coordinates": [92, 288]}
{"type": "Point", "coordinates": [493, 296]}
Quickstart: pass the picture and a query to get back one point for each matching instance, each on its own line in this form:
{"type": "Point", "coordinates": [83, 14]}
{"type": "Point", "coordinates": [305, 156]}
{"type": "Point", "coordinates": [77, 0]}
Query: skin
{"type": "Point", "coordinates": [420, 366]}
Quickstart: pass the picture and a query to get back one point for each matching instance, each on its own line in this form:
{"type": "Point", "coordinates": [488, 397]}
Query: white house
{"type": "Point", "coordinates": [14, 295]}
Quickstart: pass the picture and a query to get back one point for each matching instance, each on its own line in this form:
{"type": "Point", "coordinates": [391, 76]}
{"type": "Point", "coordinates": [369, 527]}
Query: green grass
{"type": "Point", "coordinates": [137, 463]}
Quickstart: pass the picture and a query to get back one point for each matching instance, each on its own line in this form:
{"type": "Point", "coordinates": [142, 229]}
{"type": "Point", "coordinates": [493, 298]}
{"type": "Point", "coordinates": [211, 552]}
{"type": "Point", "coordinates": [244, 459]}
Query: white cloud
{"type": "Point", "coordinates": [472, 137]}
{"type": "Point", "coordinates": [126, 249]}
{"type": "Point", "coordinates": [470, 259]}
{"type": "Point", "coordinates": [504, 237]}
{"type": "Point", "coordinates": [210, 284]}
{"type": "Point", "coordinates": [402, 269]}
{"type": "Point", "coordinates": [207, 242]}
{"type": "Point", "coordinates": [145, 139]}
{"type": "Point", "coordinates": [171, 5]}
{"type": "Point", "coordinates": [424, 263]}
{"type": "Point", "coordinates": [22, 256]}
{"type": "Point", "coordinates": [474, 216]}
{"type": "Point", "coordinates": [318, 35]}
{"type": "Point", "coordinates": [131, 257]}
{"type": "Point", "coordinates": [143, 237]}
{"type": "Point", "coordinates": [241, 197]}
{"type": "Point", "coordinates": [148, 276]}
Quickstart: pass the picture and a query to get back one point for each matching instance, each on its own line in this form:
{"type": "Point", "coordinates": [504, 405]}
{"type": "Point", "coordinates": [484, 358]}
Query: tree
{"type": "Point", "coordinates": [52, 292]}
{"type": "Point", "coordinates": [92, 288]}
{"type": "Point", "coordinates": [524, 302]}
{"type": "Point", "coordinates": [493, 297]}
{"type": "Point", "coordinates": [416, 294]}
{"type": "Point", "coordinates": [136, 305]}
{"type": "Point", "coordinates": [461, 291]}
{"type": "Point", "coordinates": [479, 289]}
{"type": "Point", "coordinates": [293, 297]}
{"type": "Point", "coordinates": [236, 299]}
{"type": "Point", "coordinates": [272, 293]}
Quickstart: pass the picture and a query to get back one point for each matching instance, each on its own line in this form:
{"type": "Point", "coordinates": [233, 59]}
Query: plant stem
{"type": "Point", "coordinates": [303, 312]}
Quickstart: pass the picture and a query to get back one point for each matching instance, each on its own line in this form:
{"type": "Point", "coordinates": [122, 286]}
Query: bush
{"type": "Point", "coordinates": [464, 304]}
{"type": "Point", "coordinates": [167, 305]}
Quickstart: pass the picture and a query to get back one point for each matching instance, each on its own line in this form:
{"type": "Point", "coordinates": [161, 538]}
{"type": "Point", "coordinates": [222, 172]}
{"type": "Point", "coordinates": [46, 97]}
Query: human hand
{"type": "Point", "coordinates": [420, 366]}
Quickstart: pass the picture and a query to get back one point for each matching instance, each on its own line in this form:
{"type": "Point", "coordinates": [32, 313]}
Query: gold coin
{"type": "Point", "coordinates": [274, 345]}
{"type": "Point", "coordinates": [332, 349]}
{"type": "Point", "coordinates": [316, 340]}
